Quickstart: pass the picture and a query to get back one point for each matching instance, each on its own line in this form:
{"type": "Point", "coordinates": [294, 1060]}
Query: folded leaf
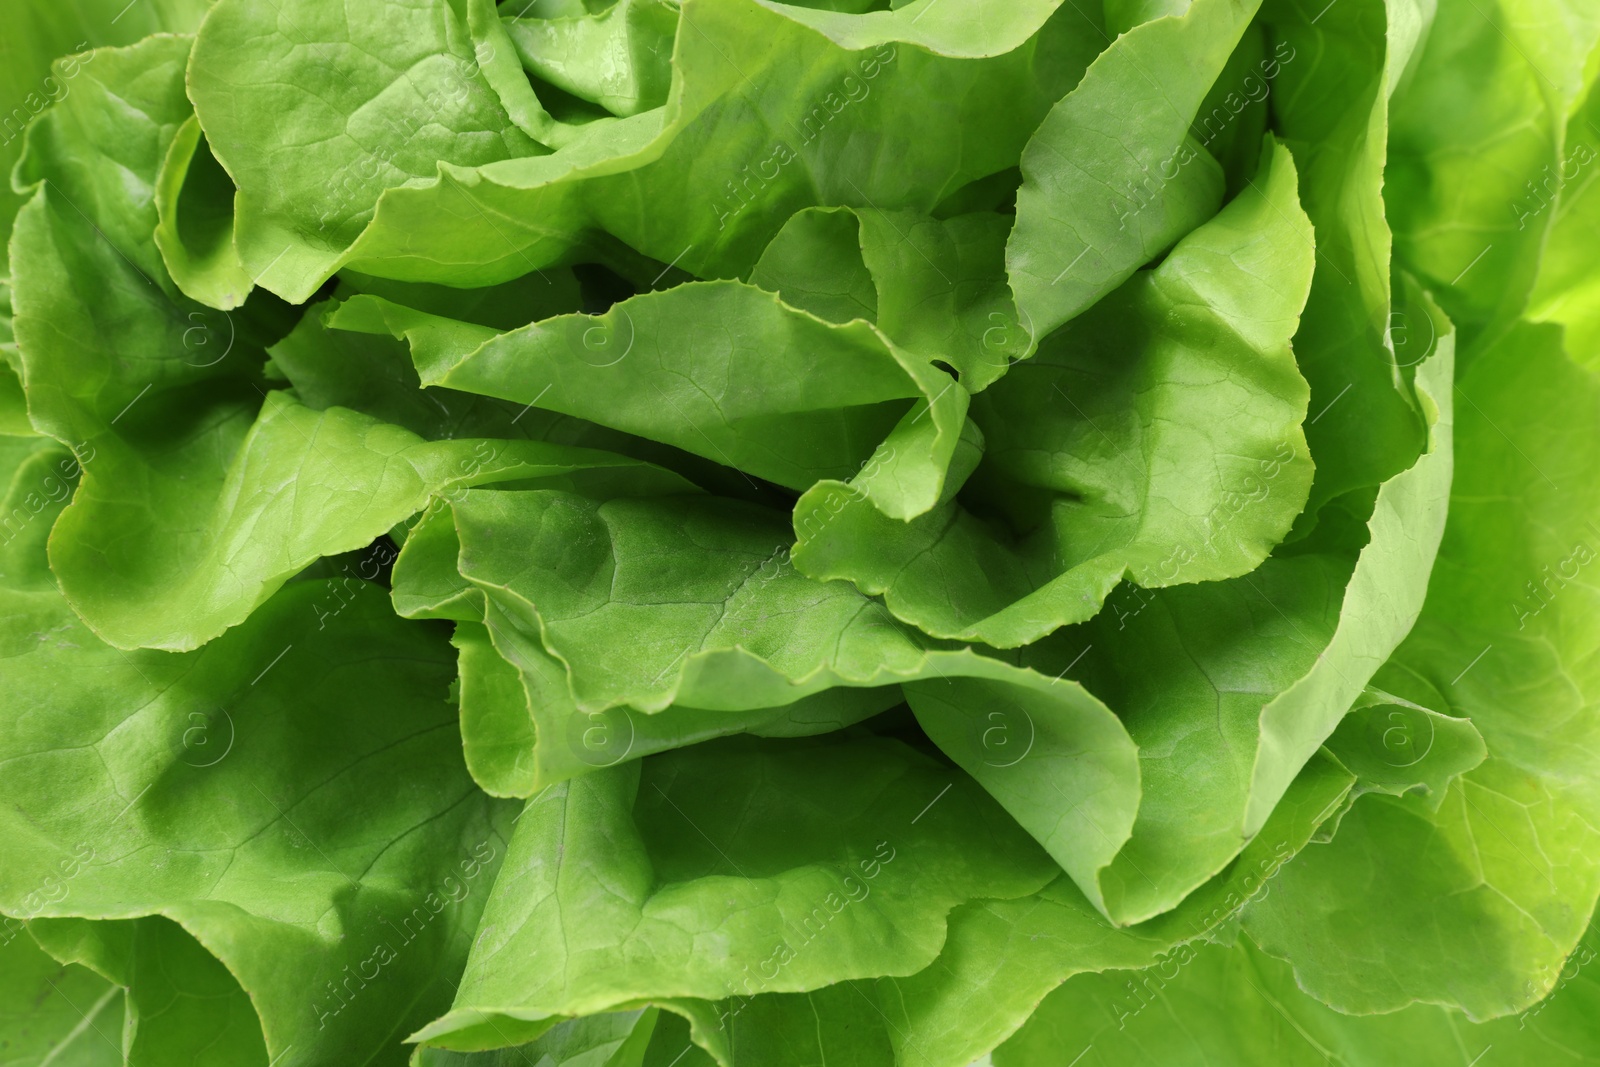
{"type": "Point", "coordinates": [1158, 437]}
{"type": "Point", "coordinates": [370, 108]}
{"type": "Point", "coordinates": [181, 1004]}
{"type": "Point", "coordinates": [1332, 74]}
{"type": "Point", "coordinates": [619, 58]}
{"type": "Point", "coordinates": [194, 200]}
{"type": "Point", "coordinates": [772, 391]}
{"type": "Point", "coordinates": [1394, 746]}
{"type": "Point", "coordinates": [763, 117]}
{"type": "Point", "coordinates": [936, 287]}
{"type": "Point", "coordinates": [31, 79]}
{"type": "Point", "coordinates": [1124, 130]}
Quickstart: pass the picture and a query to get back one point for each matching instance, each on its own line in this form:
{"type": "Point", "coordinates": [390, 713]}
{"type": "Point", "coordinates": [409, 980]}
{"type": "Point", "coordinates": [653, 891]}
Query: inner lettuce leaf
{"type": "Point", "coordinates": [720, 369]}
{"type": "Point", "coordinates": [522, 731]}
{"type": "Point", "coordinates": [1228, 688]}
{"type": "Point", "coordinates": [936, 286]}
{"type": "Point", "coordinates": [13, 403]}
{"type": "Point", "coordinates": [619, 59]}
{"type": "Point", "coordinates": [194, 202]}
{"type": "Point", "coordinates": [1157, 438]}
{"type": "Point", "coordinates": [646, 1037]}
{"type": "Point", "coordinates": [1124, 130]}
{"type": "Point", "coordinates": [1335, 72]}
{"type": "Point", "coordinates": [521, 726]}
{"type": "Point", "coordinates": [731, 629]}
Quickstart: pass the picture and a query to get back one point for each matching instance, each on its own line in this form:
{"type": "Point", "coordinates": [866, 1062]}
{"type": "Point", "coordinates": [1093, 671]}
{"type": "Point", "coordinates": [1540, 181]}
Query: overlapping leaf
{"type": "Point", "coordinates": [933, 509]}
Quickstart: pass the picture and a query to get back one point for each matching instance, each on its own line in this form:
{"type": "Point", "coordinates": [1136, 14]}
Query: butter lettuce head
{"type": "Point", "coordinates": [728, 533]}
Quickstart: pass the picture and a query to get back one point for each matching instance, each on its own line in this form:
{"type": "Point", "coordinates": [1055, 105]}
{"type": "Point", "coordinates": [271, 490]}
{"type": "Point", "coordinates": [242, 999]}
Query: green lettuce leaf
{"type": "Point", "coordinates": [999, 959]}
{"type": "Point", "coordinates": [619, 58]}
{"type": "Point", "coordinates": [1395, 746]}
{"type": "Point", "coordinates": [244, 487]}
{"type": "Point", "coordinates": [1565, 291]}
{"type": "Point", "coordinates": [370, 109]}
{"type": "Point", "coordinates": [1333, 72]}
{"type": "Point", "coordinates": [1498, 883]}
{"type": "Point", "coordinates": [839, 860]}
{"type": "Point", "coordinates": [52, 1013]}
{"type": "Point", "coordinates": [216, 789]}
{"type": "Point", "coordinates": [1233, 1003]}
{"type": "Point", "coordinates": [703, 181]}
{"type": "Point", "coordinates": [1181, 460]}
{"type": "Point", "coordinates": [772, 391]}
{"type": "Point", "coordinates": [724, 641]}
{"type": "Point", "coordinates": [194, 201]}
{"type": "Point", "coordinates": [1125, 129]}
{"type": "Point", "coordinates": [30, 82]}
{"type": "Point", "coordinates": [1477, 160]}
{"type": "Point", "coordinates": [936, 287]}
{"type": "Point", "coordinates": [181, 1004]}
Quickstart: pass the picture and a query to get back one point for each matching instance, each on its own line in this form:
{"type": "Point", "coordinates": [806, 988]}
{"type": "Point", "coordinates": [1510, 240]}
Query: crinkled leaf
{"type": "Point", "coordinates": [1159, 438]}
{"type": "Point", "coordinates": [39, 34]}
{"type": "Point", "coordinates": [377, 94]}
{"type": "Point", "coordinates": [734, 866]}
{"type": "Point", "coordinates": [217, 788]}
{"type": "Point", "coordinates": [1001, 957]}
{"type": "Point", "coordinates": [725, 371]}
{"type": "Point", "coordinates": [764, 117]}
{"type": "Point", "coordinates": [1331, 74]}
{"type": "Point", "coordinates": [936, 287]}
{"type": "Point", "coordinates": [1395, 746]}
